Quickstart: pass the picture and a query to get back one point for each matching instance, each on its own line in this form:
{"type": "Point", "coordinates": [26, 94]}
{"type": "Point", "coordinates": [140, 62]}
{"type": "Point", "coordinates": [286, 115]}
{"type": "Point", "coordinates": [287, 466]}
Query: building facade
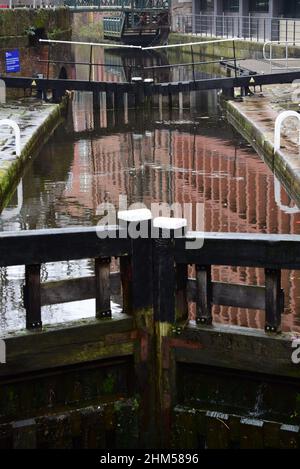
{"type": "Point", "coordinates": [260, 20]}
{"type": "Point", "coordinates": [258, 8]}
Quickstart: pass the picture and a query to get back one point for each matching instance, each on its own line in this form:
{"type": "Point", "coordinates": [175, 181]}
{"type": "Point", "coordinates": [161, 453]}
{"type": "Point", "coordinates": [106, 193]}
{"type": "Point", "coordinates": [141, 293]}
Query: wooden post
{"type": "Point", "coordinates": [164, 274]}
{"type": "Point", "coordinates": [139, 90]}
{"type": "Point", "coordinates": [136, 278]}
{"type": "Point", "coordinates": [274, 302]}
{"type": "Point", "coordinates": [204, 294]}
{"type": "Point", "coordinates": [102, 272]}
{"type": "Point", "coordinates": [148, 82]}
{"type": "Point", "coordinates": [170, 102]}
{"type": "Point", "coordinates": [110, 100]}
{"type": "Point", "coordinates": [181, 292]}
{"type": "Point", "coordinates": [96, 100]}
{"type": "Point", "coordinates": [228, 93]}
{"type": "Point", "coordinates": [136, 270]}
{"type": "Point", "coordinates": [164, 281]}
{"type": "Point", "coordinates": [164, 292]}
{"type": "Point", "coordinates": [32, 296]}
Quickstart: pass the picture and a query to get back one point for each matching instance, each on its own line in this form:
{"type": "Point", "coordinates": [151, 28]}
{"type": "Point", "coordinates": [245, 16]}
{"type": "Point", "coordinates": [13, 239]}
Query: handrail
{"type": "Point", "coordinates": [287, 58]}
{"type": "Point", "coordinates": [34, 246]}
{"type": "Point", "coordinates": [108, 45]}
{"type": "Point", "coordinates": [52, 41]}
{"type": "Point", "coordinates": [185, 44]}
{"type": "Point", "coordinates": [155, 67]}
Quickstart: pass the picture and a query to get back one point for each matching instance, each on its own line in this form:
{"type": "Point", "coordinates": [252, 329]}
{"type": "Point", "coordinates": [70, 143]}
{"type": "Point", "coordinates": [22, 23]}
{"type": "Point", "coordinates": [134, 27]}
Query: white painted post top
{"type": "Point", "coordinates": [138, 215]}
{"type": "Point", "coordinates": [136, 79]}
{"type": "Point", "coordinates": [148, 80]}
{"type": "Point", "coordinates": [166, 223]}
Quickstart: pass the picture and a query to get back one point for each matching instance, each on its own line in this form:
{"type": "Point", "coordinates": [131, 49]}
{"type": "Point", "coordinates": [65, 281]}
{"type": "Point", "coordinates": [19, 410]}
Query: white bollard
{"type": "Point", "coordinates": [278, 124]}
{"type": "Point", "coordinates": [17, 131]}
{"type": "Point", "coordinates": [2, 92]}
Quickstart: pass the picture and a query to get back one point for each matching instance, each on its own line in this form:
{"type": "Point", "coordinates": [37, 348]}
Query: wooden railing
{"type": "Point", "coordinates": [272, 253]}
{"type": "Point", "coordinates": [153, 271]}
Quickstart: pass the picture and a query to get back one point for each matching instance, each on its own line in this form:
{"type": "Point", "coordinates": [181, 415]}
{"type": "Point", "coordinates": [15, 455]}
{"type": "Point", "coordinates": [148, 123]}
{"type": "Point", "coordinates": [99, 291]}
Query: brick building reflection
{"type": "Point", "coordinates": [165, 165]}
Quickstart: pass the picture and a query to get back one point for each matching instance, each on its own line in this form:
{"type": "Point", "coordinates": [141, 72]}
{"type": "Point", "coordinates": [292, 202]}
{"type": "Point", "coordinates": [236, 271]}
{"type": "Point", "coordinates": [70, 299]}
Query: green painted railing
{"type": "Point", "coordinates": [113, 26]}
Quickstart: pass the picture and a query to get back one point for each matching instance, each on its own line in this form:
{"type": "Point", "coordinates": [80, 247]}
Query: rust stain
{"type": "Point", "coordinates": [188, 344]}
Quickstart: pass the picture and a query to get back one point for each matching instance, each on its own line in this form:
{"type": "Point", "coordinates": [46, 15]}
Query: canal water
{"type": "Point", "coordinates": [192, 157]}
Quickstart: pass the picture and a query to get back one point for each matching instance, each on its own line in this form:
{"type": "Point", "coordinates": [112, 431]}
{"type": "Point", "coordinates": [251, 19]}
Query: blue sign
{"type": "Point", "coordinates": [12, 61]}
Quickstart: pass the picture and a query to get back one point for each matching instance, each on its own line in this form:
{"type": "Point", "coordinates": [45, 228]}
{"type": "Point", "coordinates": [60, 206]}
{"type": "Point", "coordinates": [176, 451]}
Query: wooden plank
{"type": "Point", "coordinates": [32, 296]}
{"type": "Point", "coordinates": [75, 289]}
{"type": "Point", "coordinates": [235, 249]}
{"type": "Point", "coordinates": [54, 431]}
{"type": "Point", "coordinates": [204, 295]}
{"type": "Point", "coordinates": [67, 344]}
{"type": "Point", "coordinates": [251, 433]}
{"type": "Point", "coordinates": [239, 296]}
{"type": "Point", "coordinates": [238, 348]}
{"type": "Point", "coordinates": [102, 286]}
{"type": "Point", "coordinates": [24, 434]}
{"type": "Point", "coordinates": [34, 247]}
{"type": "Point", "coordinates": [185, 428]}
{"type": "Point", "coordinates": [164, 281]}
{"type": "Point", "coordinates": [217, 430]}
{"type": "Point", "coordinates": [289, 436]}
{"type": "Point", "coordinates": [271, 435]}
{"type": "Point", "coordinates": [39, 246]}
{"type": "Point", "coordinates": [274, 303]}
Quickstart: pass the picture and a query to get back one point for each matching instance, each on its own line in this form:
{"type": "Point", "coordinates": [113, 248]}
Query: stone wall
{"type": "Point", "coordinates": [16, 23]}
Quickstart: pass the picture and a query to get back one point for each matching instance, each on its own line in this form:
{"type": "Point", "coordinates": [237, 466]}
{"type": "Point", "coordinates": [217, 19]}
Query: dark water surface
{"type": "Point", "coordinates": [193, 157]}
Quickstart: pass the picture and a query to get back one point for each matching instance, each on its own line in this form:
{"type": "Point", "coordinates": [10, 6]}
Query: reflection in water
{"type": "Point", "coordinates": [196, 159]}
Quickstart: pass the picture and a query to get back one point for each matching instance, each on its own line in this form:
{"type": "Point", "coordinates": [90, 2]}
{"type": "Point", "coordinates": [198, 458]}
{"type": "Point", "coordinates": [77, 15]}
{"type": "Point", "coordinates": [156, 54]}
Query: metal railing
{"type": "Point", "coordinates": [245, 27]}
{"type": "Point", "coordinates": [142, 70]}
{"type": "Point", "coordinates": [279, 63]}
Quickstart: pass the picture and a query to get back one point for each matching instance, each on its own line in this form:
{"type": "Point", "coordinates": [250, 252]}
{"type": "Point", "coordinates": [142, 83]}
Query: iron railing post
{"type": "Point", "coordinates": [193, 64]}
{"type": "Point", "coordinates": [90, 63]}
{"type": "Point", "coordinates": [234, 58]}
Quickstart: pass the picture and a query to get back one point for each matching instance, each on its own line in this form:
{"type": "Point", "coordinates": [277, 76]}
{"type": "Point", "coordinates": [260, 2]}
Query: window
{"type": "Point", "coordinates": [259, 6]}
{"type": "Point", "coordinates": [232, 6]}
{"type": "Point", "coordinates": [207, 5]}
{"type": "Point", "coordinates": [291, 9]}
